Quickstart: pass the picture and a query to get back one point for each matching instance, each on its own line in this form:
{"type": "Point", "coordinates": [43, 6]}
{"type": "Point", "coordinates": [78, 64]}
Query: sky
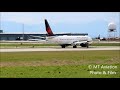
{"type": "Point", "coordinates": [93, 23]}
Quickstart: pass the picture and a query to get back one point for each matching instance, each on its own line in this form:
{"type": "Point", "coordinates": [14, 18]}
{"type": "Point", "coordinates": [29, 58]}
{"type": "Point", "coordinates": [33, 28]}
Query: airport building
{"type": "Point", "coordinates": [27, 36]}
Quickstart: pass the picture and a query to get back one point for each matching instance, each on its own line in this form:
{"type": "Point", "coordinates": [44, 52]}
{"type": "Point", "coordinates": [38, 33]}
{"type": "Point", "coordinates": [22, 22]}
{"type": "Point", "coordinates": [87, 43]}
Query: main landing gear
{"type": "Point", "coordinates": [84, 45]}
{"type": "Point", "coordinates": [75, 46]}
{"type": "Point", "coordinates": [63, 46]}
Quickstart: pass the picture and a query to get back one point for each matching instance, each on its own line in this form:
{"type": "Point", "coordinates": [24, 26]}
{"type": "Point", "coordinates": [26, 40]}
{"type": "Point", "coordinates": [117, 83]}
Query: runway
{"type": "Point", "coordinates": [60, 49]}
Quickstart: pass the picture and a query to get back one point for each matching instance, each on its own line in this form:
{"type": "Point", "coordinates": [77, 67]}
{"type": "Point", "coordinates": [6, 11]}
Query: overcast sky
{"type": "Point", "coordinates": [93, 23]}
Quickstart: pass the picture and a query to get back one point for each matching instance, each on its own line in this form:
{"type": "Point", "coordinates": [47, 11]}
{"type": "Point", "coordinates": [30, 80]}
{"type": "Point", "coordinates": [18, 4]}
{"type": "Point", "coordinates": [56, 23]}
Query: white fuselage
{"type": "Point", "coordinates": [68, 39]}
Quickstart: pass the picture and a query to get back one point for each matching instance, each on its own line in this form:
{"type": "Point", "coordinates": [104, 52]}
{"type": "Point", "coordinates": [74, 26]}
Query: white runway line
{"type": "Point", "coordinates": [58, 49]}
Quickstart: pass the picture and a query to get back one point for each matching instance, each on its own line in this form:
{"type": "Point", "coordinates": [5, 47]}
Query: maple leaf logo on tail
{"type": "Point", "coordinates": [48, 29]}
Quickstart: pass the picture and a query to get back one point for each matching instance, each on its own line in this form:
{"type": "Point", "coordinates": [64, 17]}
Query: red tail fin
{"type": "Point", "coordinates": [48, 29]}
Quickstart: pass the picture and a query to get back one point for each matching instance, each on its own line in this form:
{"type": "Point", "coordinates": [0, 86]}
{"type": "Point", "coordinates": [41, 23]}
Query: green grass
{"type": "Point", "coordinates": [63, 55]}
{"type": "Point", "coordinates": [105, 44]}
{"type": "Point", "coordinates": [25, 45]}
{"type": "Point", "coordinates": [74, 71]}
{"type": "Point", "coordinates": [67, 64]}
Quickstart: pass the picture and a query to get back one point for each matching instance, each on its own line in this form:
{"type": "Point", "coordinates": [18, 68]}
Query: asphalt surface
{"type": "Point", "coordinates": [61, 49]}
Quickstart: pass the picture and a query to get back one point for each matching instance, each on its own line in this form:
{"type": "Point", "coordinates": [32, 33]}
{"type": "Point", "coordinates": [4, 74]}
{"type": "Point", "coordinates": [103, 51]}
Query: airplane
{"type": "Point", "coordinates": [63, 41]}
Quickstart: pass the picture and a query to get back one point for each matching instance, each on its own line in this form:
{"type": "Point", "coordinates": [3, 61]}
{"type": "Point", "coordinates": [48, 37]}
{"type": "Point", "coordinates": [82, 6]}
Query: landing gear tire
{"type": "Point", "coordinates": [63, 46]}
{"type": "Point", "coordinates": [87, 45]}
{"type": "Point", "coordinates": [75, 46]}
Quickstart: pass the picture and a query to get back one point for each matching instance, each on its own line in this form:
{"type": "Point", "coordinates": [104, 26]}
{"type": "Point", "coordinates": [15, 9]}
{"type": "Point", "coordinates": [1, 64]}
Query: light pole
{"type": "Point", "coordinates": [23, 30]}
{"type": "Point", "coordinates": [0, 20]}
{"type": "Point", "coordinates": [119, 25]}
